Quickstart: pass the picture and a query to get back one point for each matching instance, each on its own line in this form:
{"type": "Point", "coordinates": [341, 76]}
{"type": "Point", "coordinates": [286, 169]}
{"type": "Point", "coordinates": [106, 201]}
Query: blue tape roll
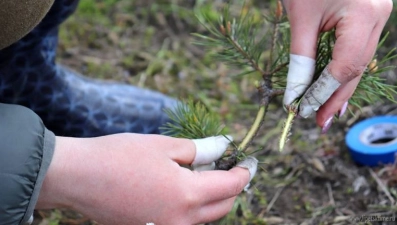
{"type": "Point", "coordinates": [362, 138]}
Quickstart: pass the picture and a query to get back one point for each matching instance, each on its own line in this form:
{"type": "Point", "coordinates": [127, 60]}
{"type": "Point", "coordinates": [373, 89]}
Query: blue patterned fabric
{"type": "Point", "coordinates": [68, 103]}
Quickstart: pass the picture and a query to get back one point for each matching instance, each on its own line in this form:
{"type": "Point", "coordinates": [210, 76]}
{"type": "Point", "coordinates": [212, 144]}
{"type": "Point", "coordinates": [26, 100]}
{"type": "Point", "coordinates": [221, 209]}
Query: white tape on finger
{"type": "Point", "coordinates": [318, 93]}
{"type": "Point", "coordinates": [210, 149]}
{"type": "Point", "coordinates": [300, 76]}
{"type": "Point", "coordinates": [250, 163]}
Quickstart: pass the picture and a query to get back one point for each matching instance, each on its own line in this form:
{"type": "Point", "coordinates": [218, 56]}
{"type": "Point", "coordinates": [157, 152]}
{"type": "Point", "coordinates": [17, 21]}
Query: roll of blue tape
{"type": "Point", "coordinates": [373, 141]}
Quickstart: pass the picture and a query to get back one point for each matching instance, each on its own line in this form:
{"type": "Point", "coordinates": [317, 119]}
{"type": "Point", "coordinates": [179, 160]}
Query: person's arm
{"type": "Point", "coordinates": [115, 179]}
{"type": "Point", "coordinates": [358, 25]}
{"type": "Point", "coordinates": [137, 179]}
{"type": "Point", "coordinates": [26, 150]}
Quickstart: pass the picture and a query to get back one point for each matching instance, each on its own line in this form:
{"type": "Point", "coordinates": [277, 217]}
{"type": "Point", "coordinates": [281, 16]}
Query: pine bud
{"type": "Point", "coordinates": [279, 10]}
{"type": "Point", "coordinates": [372, 67]}
{"type": "Point", "coordinates": [223, 31]}
{"type": "Point", "coordinates": [229, 27]}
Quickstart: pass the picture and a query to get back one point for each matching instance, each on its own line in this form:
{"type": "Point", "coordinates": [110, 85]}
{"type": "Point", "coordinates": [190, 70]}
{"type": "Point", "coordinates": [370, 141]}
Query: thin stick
{"type": "Point", "coordinates": [382, 186]}
{"type": "Point", "coordinates": [281, 189]}
{"type": "Point", "coordinates": [274, 36]}
{"type": "Point", "coordinates": [277, 69]}
{"type": "Point", "coordinates": [274, 199]}
{"type": "Point", "coordinates": [277, 92]}
{"type": "Point", "coordinates": [330, 195]}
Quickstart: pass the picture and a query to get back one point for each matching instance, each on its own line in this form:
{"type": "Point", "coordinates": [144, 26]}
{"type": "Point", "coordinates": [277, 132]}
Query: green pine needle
{"type": "Point", "coordinates": [237, 39]}
{"type": "Point", "coordinates": [372, 86]}
{"type": "Point", "coordinates": [192, 120]}
{"type": "Point", "coordinates": [238, 43]}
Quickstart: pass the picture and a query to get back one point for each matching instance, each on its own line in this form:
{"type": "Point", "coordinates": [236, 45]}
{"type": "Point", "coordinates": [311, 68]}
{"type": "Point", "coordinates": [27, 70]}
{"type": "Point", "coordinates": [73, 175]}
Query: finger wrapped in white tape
{"type": "Point", "coordinates": [210, 149]}
{"type": "Point", "coordinates": [318, 93]}
{"type": "Point", "coordinates": [300, 76]}
{"type": "Point", "coordinates": [250, 163]}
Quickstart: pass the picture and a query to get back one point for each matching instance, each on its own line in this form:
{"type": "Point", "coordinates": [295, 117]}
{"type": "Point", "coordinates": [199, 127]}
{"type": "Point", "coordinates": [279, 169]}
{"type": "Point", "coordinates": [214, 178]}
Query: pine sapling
{"type": "Point", "coordinates": [241, 45]}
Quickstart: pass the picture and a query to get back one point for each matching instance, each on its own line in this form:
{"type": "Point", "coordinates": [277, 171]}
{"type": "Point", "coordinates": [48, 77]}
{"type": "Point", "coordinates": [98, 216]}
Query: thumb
{"type": "Point", "coordinates": [210, 149]}
{"type": "Point", "coordinates": [251, 164]}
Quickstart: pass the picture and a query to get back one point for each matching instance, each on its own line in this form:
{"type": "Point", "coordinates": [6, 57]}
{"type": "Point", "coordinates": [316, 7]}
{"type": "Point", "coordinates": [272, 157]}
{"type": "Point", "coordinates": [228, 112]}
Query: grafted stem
{"type": "Point", "coordinates": [254, 129]}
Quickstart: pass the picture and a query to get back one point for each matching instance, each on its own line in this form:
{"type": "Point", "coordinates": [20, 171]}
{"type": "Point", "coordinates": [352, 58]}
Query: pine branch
{"type": "Point", "coordinates": [237, 44]}
{"type": "Point", "coordinates": [372, 87]}
{"type": "Point", "coordinates": [192, 120]}
{"type": "Point", "coordinates": [237, 38]}
{"type": "Point", "coordinates": [277, 18]}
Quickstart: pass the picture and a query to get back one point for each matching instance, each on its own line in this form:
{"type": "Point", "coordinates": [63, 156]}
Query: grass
{"type": "Point", "coordinates": [149, 44]}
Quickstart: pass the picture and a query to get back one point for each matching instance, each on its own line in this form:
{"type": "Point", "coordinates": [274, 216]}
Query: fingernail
{"type": "Point", "coordinates": [327, 125]}
{"type": "Point", "coordinates": [343, 109]}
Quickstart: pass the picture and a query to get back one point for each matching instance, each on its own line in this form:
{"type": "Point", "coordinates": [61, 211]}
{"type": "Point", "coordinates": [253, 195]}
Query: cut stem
{"type": "Point", "coordinates": [286, 130]}
{"type": "Point", "coordinates": [292, 111]}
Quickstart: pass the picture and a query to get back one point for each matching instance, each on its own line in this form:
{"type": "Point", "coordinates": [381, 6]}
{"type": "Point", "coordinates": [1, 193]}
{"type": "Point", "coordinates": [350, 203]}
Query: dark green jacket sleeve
{"type": "Point", "coordinates": [26, 149]}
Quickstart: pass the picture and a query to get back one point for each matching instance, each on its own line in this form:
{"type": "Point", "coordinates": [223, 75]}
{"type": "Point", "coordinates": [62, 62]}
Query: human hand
{"type": "Point", "coordinates": [358, 25]}
{"type": "Point", "coordinates": [137, 179]}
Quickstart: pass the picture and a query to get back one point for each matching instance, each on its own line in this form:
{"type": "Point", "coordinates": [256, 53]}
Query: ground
{"type": "Point", "coordinates": [149, 44]}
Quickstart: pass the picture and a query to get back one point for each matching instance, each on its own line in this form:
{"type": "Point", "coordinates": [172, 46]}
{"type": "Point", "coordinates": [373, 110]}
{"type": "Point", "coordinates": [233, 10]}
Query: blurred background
{"type": "Point", "coordinates": [148, 43]}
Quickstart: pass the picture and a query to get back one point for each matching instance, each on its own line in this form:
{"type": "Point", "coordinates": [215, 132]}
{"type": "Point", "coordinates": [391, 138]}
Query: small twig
{"type": "Point", "coordinates": [274, 199]}
{"type": "Point", "coordinates": [277, 69]}
{"type": "Point", "coordinates": [330, 195]}
{"type": "Point", "coordinates": [281, 189]}
{"type": "Point", "coordinates": [383, 207]}
{"type": "Point", "coordinates": [274, 37]}
{"type": "Point", "coordinates": [277, 92]}
{"type": "Point", "coordinates": [237, 46]}
{"type": "Point", "coordinates": [274, 41]}
{"type": "Point", "coordinates": [382, 186]}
